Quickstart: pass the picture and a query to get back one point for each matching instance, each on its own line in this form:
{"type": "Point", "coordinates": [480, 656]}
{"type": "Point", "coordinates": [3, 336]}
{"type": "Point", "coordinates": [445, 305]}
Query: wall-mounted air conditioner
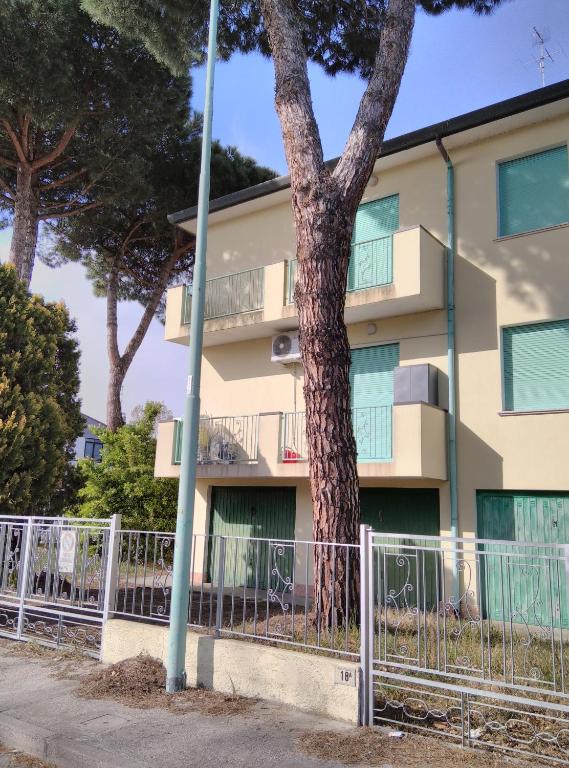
{"type": "Point", "coordinates": [285, 348]}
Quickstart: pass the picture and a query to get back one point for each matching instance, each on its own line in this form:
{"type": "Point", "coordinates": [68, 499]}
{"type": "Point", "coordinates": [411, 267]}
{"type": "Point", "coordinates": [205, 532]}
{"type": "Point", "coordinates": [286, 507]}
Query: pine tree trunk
{"type": "Point", "coordinates": [115, 418]}
{"type": "Point", "coordinates": [117, 369]}
{"type": "Point", "coordinates": [324, 202]}
{"type": "Point", "coordinates": [25, 224]}
{"type": "Point", "coordinates": [323, 255]}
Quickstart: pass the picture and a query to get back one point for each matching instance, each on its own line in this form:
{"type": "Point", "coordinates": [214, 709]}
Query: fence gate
{"type": "Point", "coordinates": [449, 652]}
{"type": "Point", "coordinates": [53, 573]}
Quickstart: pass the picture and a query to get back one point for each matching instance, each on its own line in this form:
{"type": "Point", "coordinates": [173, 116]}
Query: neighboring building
{"type": "Point", "coordinates": [512, 339]}
{"type": "Point", "coordinates": [88, 446]}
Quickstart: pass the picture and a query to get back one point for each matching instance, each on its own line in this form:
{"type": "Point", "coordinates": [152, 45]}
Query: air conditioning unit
{"type": "Point", "coordinates": [285, 348]}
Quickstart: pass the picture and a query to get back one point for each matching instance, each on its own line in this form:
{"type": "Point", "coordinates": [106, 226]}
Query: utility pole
{"type": "Point", "coordinates": [176, 664]}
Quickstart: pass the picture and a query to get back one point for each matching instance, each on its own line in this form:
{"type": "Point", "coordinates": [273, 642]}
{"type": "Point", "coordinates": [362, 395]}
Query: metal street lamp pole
{"type": "Point", "coordinates": [175, 666]}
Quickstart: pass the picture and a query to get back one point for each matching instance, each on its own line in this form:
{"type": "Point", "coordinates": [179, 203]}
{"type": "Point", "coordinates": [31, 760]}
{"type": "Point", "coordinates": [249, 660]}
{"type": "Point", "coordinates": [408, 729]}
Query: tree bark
{"type": "Point", "coordinates": [323, 253]}
{"type": "Point", "coordinates": [120, 364]}
{"type": "Point", "coordinates": [115, 417]}
{"type": "Point", "coordinates": [324, 204]}
{"type": "Point", "coordinates": [25, 224]}
{"type": "Point", "coordinates": [25, 199]}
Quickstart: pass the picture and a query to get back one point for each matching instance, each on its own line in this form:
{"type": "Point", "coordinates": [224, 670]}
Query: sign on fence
{"type": "Point", "coordinates": [67, 549]}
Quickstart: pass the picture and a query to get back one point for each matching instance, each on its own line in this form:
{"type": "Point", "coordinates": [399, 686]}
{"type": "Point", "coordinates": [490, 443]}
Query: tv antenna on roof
{"type": "Point", "coordinates": [539, 40]}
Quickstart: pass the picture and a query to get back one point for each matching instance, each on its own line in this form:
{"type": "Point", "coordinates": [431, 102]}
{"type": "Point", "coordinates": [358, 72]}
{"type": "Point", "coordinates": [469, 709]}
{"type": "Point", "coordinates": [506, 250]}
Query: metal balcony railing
{"type": "Point", "coordinates": [371, 265]}
{"type": "Point", "coordinates": [372, 430]}
{"type": "Point", "coordinates": [229, 295]}
{"type": "Point", "coordinates": [222, 440]}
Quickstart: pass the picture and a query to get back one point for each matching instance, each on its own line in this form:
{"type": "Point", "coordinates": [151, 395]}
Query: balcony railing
{"type": "Point", "coordinates": [222, 440]}
{"type": "Point", "coordinates": [229, 295]}
{"type": "Point", "coordinates": [371, 265]}
{"type": "Point", "coordinates": [372, 430]}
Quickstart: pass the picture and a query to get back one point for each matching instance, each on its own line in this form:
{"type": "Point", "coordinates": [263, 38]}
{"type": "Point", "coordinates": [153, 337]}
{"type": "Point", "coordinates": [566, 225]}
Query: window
{"type": "Point", "coordinates": [536, 366]}
{"type": "Point", "coordinates": [533, 192]}
{"type": "Point", "coordinates": [93, 449]}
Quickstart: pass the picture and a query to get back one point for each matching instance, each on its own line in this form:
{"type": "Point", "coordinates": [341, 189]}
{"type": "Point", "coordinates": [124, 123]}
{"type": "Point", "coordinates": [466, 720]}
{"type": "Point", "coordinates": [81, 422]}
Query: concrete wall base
{"type": "Point", "coordinates": [313, 683]}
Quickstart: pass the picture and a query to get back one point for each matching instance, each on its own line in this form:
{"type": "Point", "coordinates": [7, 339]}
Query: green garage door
{"type": "Point", "coordinates": [526, 585]}
{"type": "Point", "coordinates": [411, 511]}
{"type": "Point", "coordinates": [250, 513]}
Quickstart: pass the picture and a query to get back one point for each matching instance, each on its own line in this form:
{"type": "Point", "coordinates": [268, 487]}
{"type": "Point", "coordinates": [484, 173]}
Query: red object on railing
{"type": "Point", "coordinates": [290, 456]}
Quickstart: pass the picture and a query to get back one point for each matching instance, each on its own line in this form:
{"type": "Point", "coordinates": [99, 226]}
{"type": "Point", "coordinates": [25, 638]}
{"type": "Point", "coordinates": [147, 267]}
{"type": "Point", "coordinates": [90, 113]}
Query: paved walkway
{"type": "Point", "coordinates": [40, 716]}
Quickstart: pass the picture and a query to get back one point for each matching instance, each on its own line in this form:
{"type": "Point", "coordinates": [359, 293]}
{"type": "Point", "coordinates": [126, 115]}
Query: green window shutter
{"type": "Point", "coordinates": [533, 191]}
{"type": "Point", "coordinates": [536, 366]}
{"type": "Point", "coordinates": [371, 261]}
{"type": "Point", "coordinates": [371, 381]}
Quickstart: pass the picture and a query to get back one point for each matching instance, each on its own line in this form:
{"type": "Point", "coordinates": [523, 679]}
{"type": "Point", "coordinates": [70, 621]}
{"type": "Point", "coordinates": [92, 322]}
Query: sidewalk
{"type": "Point", "coordinates": [40, 715]}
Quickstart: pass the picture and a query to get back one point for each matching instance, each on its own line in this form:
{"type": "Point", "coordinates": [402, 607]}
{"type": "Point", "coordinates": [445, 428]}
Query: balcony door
{"type": "Point", "coordinates": [371, 382]}
{"type": "Point", "coordinates": [371, 260]}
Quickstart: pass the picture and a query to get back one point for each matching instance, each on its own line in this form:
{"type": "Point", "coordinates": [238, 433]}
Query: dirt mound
{"type": "Point", "coordinates": [140, 682]}
{"type": "Point", "coordinates": [139, 677]}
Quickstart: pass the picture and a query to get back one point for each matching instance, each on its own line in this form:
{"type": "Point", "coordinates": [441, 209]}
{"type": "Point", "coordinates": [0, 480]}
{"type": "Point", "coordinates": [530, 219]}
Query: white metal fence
{"type": "Point", "coordinates": [52, 577]}
{"type": "Point", "coordinates": [487, 664]}
{"type": "Point", "coordinates": [254, 588]}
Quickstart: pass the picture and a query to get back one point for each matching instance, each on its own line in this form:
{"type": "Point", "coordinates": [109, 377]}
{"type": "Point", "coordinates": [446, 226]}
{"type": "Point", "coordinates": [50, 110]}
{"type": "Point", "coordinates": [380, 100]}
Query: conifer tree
{"type": "Point", "coordinates": [40, 415]}
{"type": "Point", "coordinates": [129, 249]}
{"type": "Point", "coordinates": [78, 103]}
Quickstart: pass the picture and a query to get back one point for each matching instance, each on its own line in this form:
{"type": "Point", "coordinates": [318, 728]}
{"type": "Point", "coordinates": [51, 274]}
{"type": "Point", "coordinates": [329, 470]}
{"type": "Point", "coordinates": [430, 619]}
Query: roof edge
{"type": "Point", "coordinates": [478, 117]}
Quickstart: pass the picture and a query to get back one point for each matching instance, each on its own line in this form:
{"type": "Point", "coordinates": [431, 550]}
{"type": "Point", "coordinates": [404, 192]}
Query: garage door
{"type": "Point", "coordinates": [527, 586]}
{"type": "Point", "coordinates": [411, 511]}
{"type": "Point", "coordinates": [250, 513]}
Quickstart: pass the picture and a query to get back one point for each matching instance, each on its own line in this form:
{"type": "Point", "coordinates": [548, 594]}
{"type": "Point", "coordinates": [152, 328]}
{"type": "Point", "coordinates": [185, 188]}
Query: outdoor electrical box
{"type": "Point", "coordinates": [416, 384]}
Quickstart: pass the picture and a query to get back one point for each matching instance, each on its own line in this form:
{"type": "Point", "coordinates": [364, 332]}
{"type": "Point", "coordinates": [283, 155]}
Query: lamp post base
{"type": "Point", "coordinates": [176, 684]}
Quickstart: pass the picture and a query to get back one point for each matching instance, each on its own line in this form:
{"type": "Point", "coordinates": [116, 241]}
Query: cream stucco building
{"type": "Point", "coordinates": [511, 266]}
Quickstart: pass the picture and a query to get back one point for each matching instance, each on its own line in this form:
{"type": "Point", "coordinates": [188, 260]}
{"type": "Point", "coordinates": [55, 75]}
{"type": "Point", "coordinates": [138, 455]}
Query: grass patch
{"type": "Point", "coordinates": [373, 747]}
{"type": "Point", "coordinates": [17, 759]}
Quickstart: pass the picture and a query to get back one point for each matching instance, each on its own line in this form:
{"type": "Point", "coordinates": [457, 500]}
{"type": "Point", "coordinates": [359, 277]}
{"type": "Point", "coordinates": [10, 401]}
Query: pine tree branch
{"type": "Point", "coordinates": [15, 141]}
{"type": "Point", "coordinates": [58, 150]}
{"type": "Point", "coordinates": [64, 181]}
{"type": "Point", "coordinates": [8, 163]}
{"type": "Point", "coordinates": [293, 99]}
{"type": "Point", "coordinates": [150, 310]}
{"type": "Point", "coordinates": [366, 137]}
{"type": "Point", "coordinates": [25, 133]}
{"type": "Point", "coordinates": [74, 212]}
{"type": "Point", "coordinates": [7, 189]}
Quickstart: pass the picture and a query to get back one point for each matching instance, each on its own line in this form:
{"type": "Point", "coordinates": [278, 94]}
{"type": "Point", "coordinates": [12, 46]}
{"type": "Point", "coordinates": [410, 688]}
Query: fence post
{"type": "Point", "coordinates": [366, 628]}
{"type": "Point", "coordinates": [112, 568]}
{"type": "Point", "coordinates": [24, 575]}
{"type": "Point", "coordinates": [220, 585]}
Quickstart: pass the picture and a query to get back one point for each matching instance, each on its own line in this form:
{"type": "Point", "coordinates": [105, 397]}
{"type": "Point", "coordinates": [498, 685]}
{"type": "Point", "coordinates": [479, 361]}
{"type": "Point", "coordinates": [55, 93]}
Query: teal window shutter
{"type": "Point", "coordinates": [371, 381]}
{"type": "Point", "coordinates": [536, 366]}
{"type": "Point", "coordinates": [371, 261]}
{"type": "Point", "coordinates": [533, 191]}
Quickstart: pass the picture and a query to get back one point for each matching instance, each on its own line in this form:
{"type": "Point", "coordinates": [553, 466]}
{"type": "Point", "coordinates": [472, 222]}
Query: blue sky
{"type": "Point", "coordinates": [458, 62]}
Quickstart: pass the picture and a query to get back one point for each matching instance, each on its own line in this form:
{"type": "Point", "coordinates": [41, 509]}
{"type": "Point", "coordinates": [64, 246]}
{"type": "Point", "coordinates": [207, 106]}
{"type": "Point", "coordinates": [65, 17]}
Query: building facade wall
{"type": "Point", "coordinates": [499, 281]}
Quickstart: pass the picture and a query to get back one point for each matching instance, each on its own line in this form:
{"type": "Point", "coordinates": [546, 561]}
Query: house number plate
{"type": "Point", "coordinates": [343, 676]}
